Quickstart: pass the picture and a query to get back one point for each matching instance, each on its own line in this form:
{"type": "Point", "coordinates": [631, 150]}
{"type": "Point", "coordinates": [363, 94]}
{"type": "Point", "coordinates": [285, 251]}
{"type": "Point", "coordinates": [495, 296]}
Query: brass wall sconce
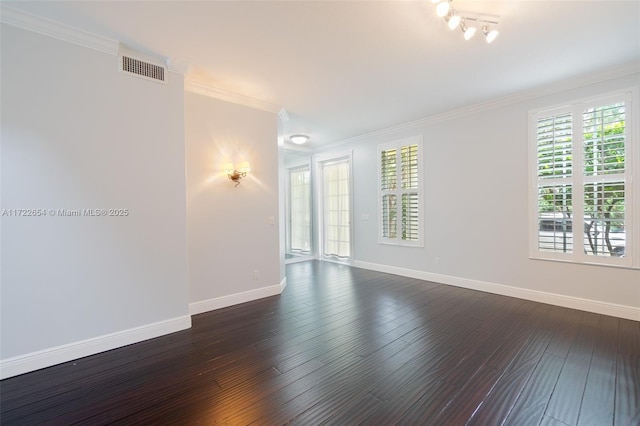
{"type": "Point", "coordinates": [236, 174]}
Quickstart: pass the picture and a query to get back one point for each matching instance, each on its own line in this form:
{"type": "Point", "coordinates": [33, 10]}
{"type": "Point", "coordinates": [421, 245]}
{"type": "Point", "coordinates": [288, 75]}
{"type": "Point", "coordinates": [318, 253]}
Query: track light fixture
{"type": "Point", "coordinates": [463, 20]}
{"type": "Point", "coordinates": [489, 34]}
{"type": "Point", "coordinates": [467, 31]}
{"type": "Point", "coordinates": [453, 20]}
{"type": "Point", "coordinates": [442, 9]}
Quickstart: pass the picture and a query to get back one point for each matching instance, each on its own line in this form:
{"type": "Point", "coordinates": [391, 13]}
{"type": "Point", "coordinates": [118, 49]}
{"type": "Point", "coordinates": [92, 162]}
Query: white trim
{"type": "Point", "coordinates": [235, 298]}
{"type": "Point", "coordinates": [296, 165]}
{"type": "Point", "coordinates": [578, 180]}
{"type": "Point", "coordinates": [283, 284]}
{"type": "Point", "coordinates": [178, 66]}
{"type": "Point", "coordinates": [633, 152]}
{"type": "Point", "coordinates": [205, 89]}
{"type": "Point", "coordinates": [283, 115]}
{"type": "Point", "coordinates": [54, 29]}
{"type": "Point", "coordinates": [299, 163]}
{"type": "Point", "coordinates": [399, 191]}
{"type": "Point", "coordinates": [290, 146]}
{"type": "Point", "coordinates": [612, 309]}
{"type": "Point", "coordinates": [562, 86]}
{"type": "Point", "coordinates": [347, 262]}
{"type": "Point", "coordinates": [46, 358]}
{"type": "Point", "coordinates": [298, 259]}
{"type": "Point", "coordinates": [318, 161]}
{"type": "Point", "coordinates": [49, 28]}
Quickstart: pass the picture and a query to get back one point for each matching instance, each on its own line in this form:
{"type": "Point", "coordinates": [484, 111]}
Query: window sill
{"type": "Point", "coordinates": [401, 244]}
{"type": "Point", "coordinates": [598, 264]}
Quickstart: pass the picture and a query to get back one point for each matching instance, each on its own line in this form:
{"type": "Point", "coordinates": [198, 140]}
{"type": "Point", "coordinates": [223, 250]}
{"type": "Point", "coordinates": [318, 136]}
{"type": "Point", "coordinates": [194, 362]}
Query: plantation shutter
{"type": "Point", "coordinates": [410, 209]}
{"type": "Point", "coordinates": [582, 174]}
{"type": "Point", "coordinates": [388, 185]}
{"type": "Point", "coordinates": [399, 193]}
{"type": "Point", "coordinates": [604, 153]}
{"type": "Point", "coordinates": [555, 207]}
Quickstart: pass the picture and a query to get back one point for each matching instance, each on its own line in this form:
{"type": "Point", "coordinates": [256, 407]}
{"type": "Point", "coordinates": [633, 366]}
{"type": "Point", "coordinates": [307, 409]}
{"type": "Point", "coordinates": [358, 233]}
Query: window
{"type": "Point", "coordinates": [582, 181]}
{"type": "Point", "coordinates": [400, 192]}
{"type": "Point", "coordinates": [300, 210]}
{"type": "Point", "coordinates": [336, 210]}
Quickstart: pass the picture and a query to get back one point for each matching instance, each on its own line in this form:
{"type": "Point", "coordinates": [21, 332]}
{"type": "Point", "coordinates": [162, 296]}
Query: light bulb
{"type": "Point", "coordinates": [469, 32]}
{"type": "Point", "coordinates": [442, 9]}
{"type": "Point", "coordinates": [244, 167]}
{"type": "Point", "coordinates": [491, 35]}
{"type": "Point", "coordinates": [454, 21]}
{"type": "Point", "coordinates": [228, 168]}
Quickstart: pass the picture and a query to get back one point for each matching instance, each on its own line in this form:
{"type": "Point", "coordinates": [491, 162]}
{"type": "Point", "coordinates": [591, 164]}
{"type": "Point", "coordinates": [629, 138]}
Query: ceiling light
{"type": "Point", "coordinates": [458, 18]}
{"type": "Point", "coordinates": [299, 139]}
{"type": "Point", "coordinates": [489, 34]}
{"type": "Point", "coordinates": [442, 8]}
{"type": "Point", "coordinates": [453, 20]}
{"type": "Point", "coordinates": [468, 31]}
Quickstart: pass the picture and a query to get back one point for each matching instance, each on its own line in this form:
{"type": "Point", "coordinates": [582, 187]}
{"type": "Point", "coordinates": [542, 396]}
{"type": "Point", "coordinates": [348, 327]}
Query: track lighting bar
{"type": "Point", "coordinates": [464, 21]}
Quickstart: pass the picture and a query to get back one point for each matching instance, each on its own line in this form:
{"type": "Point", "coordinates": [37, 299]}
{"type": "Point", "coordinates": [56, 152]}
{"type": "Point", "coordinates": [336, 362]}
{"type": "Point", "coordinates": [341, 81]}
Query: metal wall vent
{"type": "Point", "coordinates": [143, 69]}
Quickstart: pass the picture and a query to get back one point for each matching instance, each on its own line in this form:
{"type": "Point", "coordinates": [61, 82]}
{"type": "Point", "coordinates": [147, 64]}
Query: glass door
{"type": "Point", "coordinates": [335, 209]}
{"type": "Point", "coordinates": [299, 212]}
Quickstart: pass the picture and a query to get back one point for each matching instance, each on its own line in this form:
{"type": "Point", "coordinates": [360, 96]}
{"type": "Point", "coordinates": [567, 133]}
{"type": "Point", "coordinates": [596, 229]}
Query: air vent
{"type": "Point", "coordinates": [143, 69]}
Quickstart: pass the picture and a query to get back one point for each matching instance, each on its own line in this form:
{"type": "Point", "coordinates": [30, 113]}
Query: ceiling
{"type": "Point", "coordinates": [345, 68]}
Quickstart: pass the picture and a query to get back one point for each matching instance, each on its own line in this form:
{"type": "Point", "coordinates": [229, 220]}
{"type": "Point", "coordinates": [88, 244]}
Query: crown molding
{"type": "Point", "coordinates": [178, 66]}
{"type": "Point", "coordinates": [290, 146]}
{"type": "Point", "coordinates": [205, 89]}
{"type": "Point", "coordinates": [57, 30]}
{"type": "Point", "coordinates": [284, 115]}
{"type": "Point", "coordinates": [564, 85]}
{"type": "Point", "coordinates": [47, 27]}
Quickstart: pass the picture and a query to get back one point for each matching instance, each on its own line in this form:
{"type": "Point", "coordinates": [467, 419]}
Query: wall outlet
{"type": "Point", "coordinates": [256, 274]}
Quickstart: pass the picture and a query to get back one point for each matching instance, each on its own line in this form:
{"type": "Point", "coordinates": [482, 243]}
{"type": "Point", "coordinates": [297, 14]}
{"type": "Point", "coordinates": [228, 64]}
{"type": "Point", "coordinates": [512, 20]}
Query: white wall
{"type": "Point", "coordinates": [78, 134]}
{"type": "Point", "coordinates": [233, 231]}
{"type": "Point", "coordinates": [476, 203]}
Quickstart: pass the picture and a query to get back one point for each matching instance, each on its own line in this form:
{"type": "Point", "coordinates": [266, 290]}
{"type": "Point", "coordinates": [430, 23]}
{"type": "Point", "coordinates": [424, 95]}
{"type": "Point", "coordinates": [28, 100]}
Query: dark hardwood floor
{"type": "Point", "coordinates": [347, 346]}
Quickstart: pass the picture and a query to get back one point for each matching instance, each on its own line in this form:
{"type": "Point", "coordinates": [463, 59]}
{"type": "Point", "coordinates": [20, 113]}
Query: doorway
{"type": "Point", "coordinates": [334, 207]}
{"type": "Point", "coordinates": [299, 225]}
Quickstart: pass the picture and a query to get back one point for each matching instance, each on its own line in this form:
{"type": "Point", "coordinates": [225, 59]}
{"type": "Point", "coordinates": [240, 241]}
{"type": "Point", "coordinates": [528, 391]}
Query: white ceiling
{"type": "Point", "coordinates": [346, 68]}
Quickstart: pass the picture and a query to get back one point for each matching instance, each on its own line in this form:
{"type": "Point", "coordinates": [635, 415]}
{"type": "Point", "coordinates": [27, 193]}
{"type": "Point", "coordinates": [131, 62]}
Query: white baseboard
{"type": "Point", "coordinates": [612, 309]}
{"type": "Point", "coordinates": [283, 284]}
{"type": "Point", "coordinates": [46, 358]}
{"type": "Point", "coordinates": [236, 298]}
{"type": "Point", "coordinates": [299, 259]}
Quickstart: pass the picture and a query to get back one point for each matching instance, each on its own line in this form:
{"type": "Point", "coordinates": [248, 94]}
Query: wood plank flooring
{"type": "Point", "coordinates": [346, 346]}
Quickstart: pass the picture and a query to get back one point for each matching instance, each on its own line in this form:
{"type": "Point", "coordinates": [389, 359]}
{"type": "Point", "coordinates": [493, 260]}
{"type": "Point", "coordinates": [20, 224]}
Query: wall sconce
{"type": "Point", "coordinates": [236, 174]}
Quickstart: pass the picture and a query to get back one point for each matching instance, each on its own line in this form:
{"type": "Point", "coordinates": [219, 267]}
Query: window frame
{"type": "Point", "coordinates": [397, 145]}
{"type": "Point", "coordinates": [304, 165]}
{"type": "Point", "coordinates": [578, 180]}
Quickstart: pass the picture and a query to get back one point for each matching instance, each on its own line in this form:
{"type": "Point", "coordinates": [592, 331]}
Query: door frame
{"type": "Point", "coordinates": [297, 165]}
{"type": "Point", "coordinates": [319, 160]}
